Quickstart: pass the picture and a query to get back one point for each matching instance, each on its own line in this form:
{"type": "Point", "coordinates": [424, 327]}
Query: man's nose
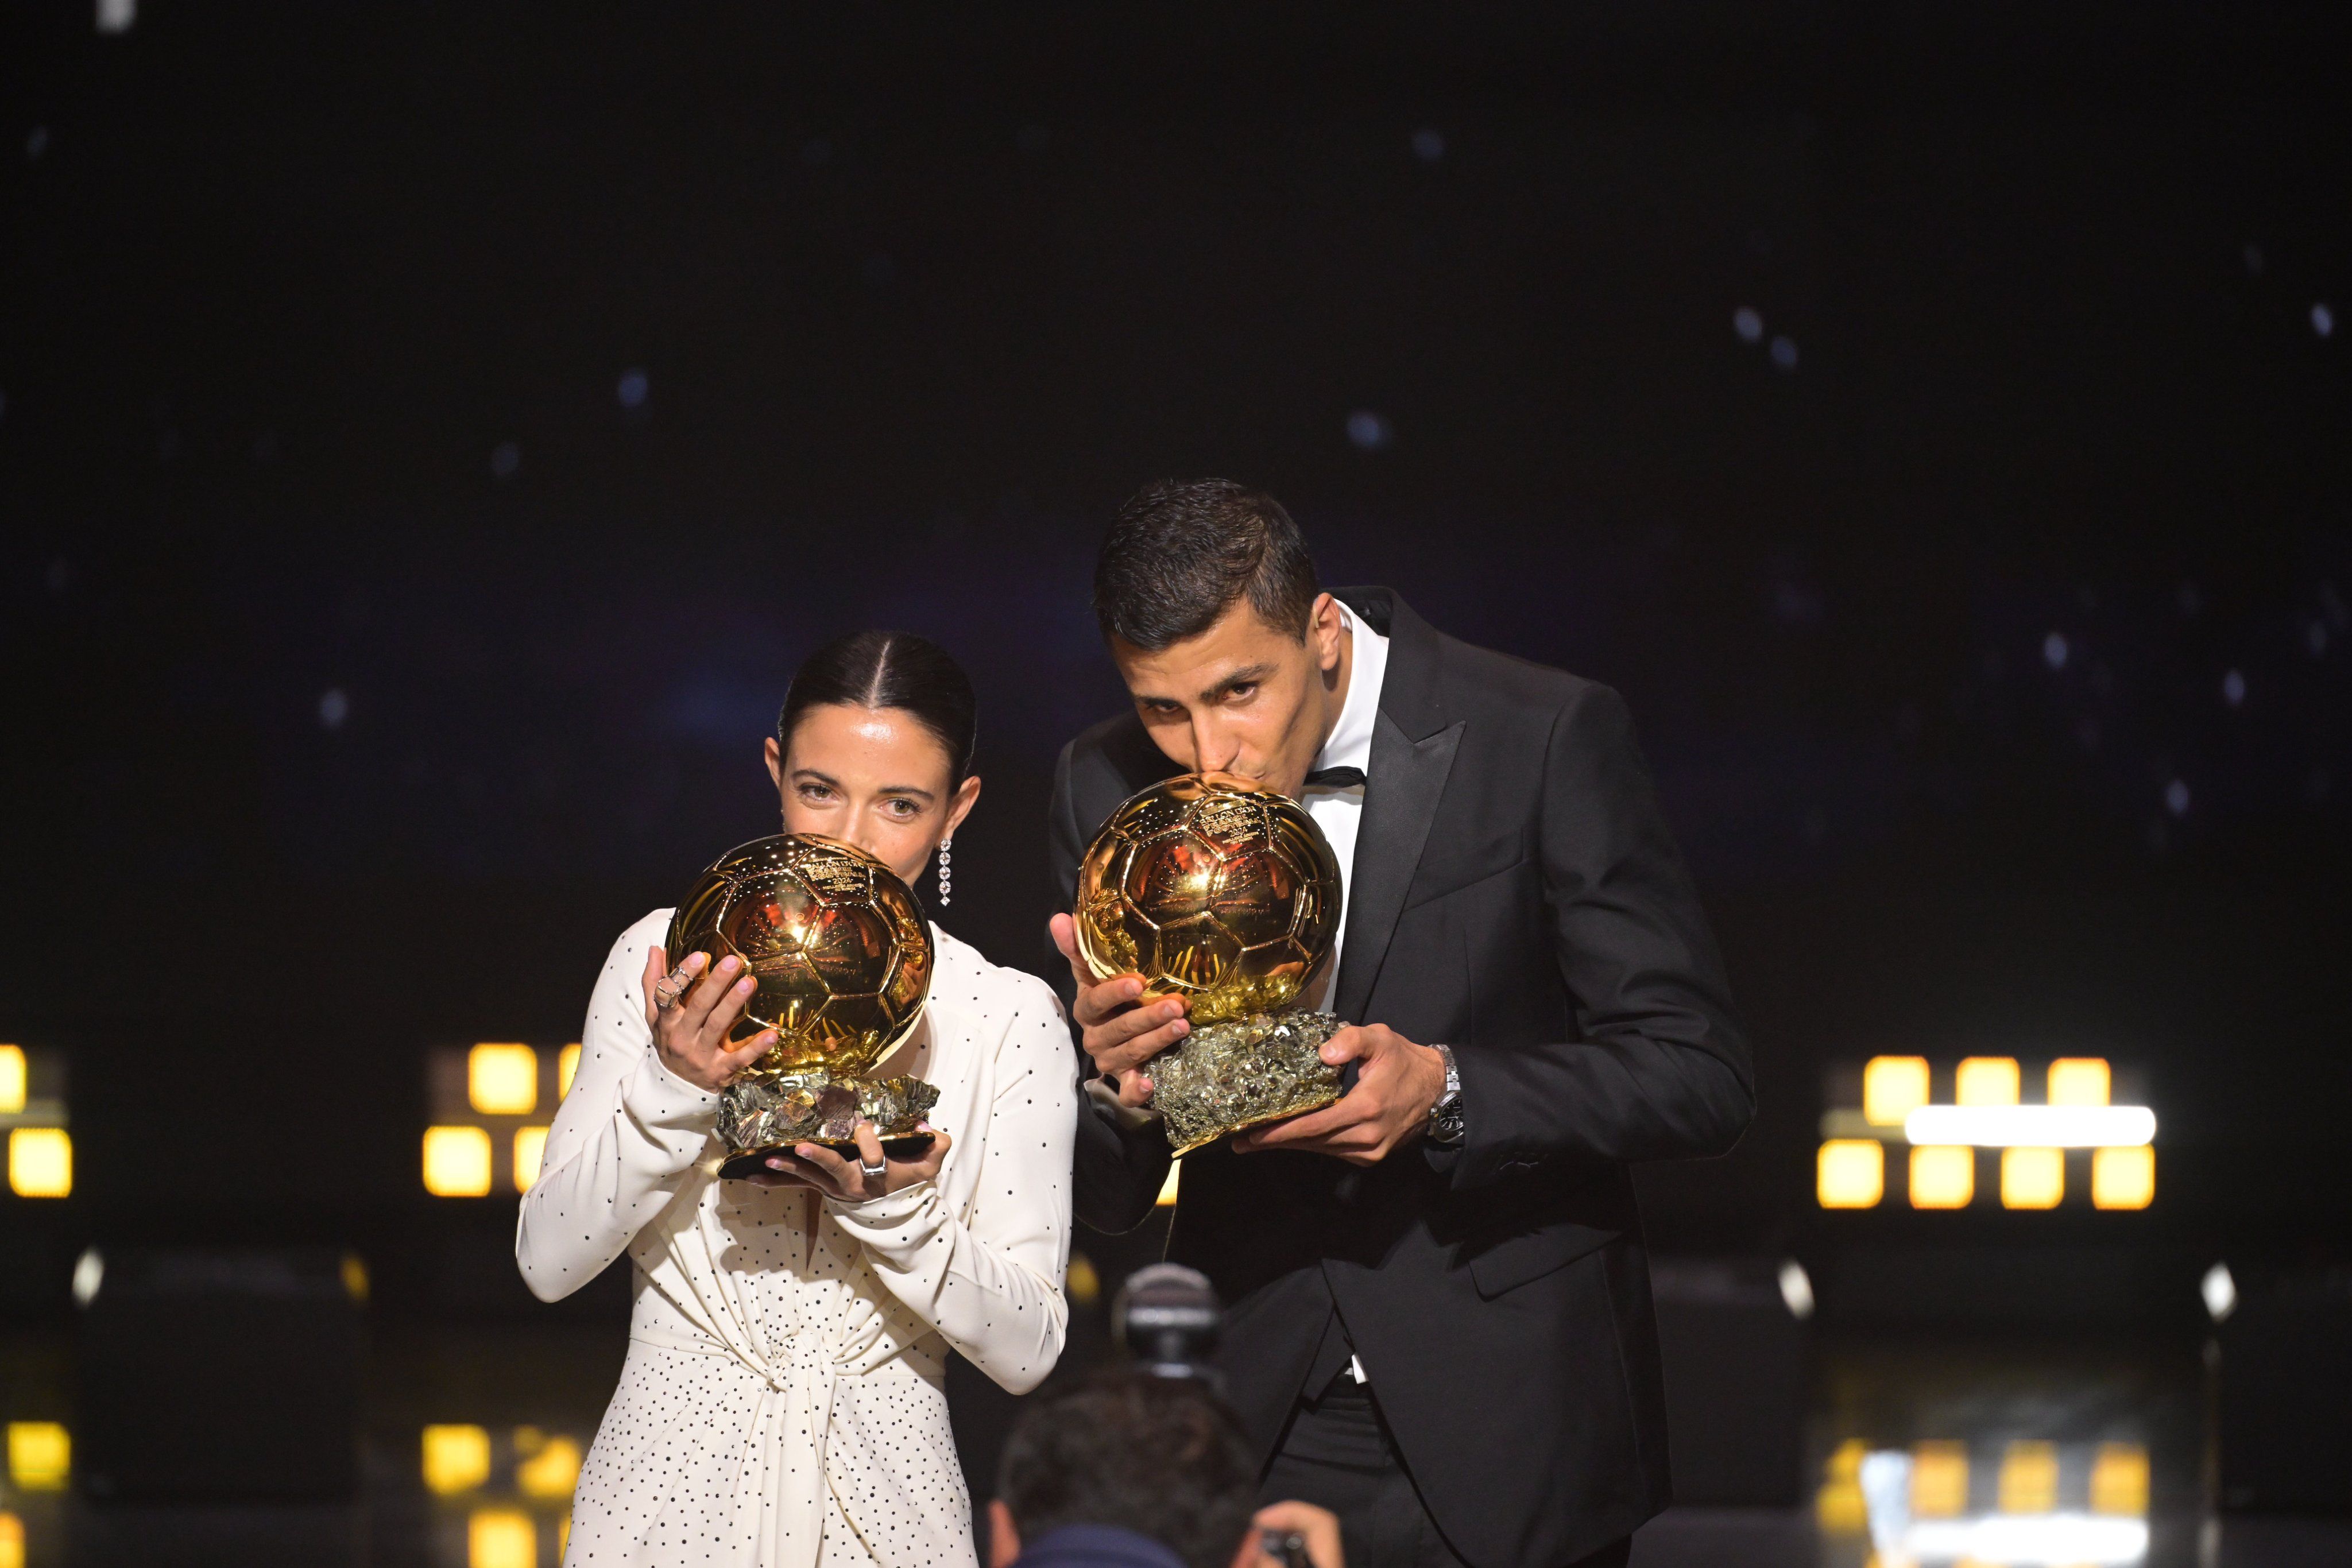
{"type": "Point", "coordinates": [1214, 749]}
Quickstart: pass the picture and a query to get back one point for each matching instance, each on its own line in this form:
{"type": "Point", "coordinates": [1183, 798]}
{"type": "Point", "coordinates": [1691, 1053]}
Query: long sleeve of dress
{"type": "Point", "coordinates": [990, 1281]}
{"type": "Point", "coordinates": [623, 1140]}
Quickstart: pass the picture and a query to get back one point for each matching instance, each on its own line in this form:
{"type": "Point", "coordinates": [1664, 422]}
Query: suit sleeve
{"type": "Point", "coordinates": [1118, 1161]}
{"type": "Point", "coordinates": [1662, 1067]}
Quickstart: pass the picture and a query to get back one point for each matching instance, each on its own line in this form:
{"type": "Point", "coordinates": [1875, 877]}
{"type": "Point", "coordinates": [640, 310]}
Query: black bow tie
{"type": "Point", "coordinates": [1336, 779]}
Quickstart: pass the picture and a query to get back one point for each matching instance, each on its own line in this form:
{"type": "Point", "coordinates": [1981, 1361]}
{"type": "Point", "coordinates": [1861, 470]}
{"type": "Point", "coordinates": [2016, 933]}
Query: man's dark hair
{"type": "Point", "coordinates": [1158, 1456]}
{"type": "Point", "coordinates": [1177, 556]}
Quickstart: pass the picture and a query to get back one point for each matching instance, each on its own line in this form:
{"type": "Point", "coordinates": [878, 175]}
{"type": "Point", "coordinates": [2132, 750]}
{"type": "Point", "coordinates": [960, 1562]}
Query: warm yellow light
{"type": "Point", "coordinates": [552, 1471]}
{"type": "Point", "coordinates": [2029, 1478]}
{"type": "Point", "coordinates": [456, 1458]}
{"type": "Point", "coordinates": [12, 1540]}
{"type": "Point", "coordinates": [502, 1079]}
{"type": "Point", "coordinates": [1940, 1479]}
{"type": "Point", "coordinates": [1851, 1173]}
{"type": "Point", "coordinates": [40, 1161]}
{"type": "Point", "coordinates": [529, 1147]}
{"type": "Point", "coordinates": [2032, 1178]}
{"type": "Point", "coordinates": [456, 1162]}
{"type": "Point", "coordinates": [567, 1063]}
{"type": "Point", "coordinates": [1943, 1177]}
{"type": "Point", "coordinates": [1892, 1088]}
{"type": "Point", "coordinates": [2119, 1479]}
{"type": "Point", "coordinates": [1838, 1507]}
{"type": "Point", "coordinates": [2123, 1178]}
{"type": "Point", "coordinates": [12, 1079]}
{"type": "Point", "coordinates": [1986, 1081]}
{"type": "Point", "coordinates": [2079, 1080]}
{"type": "Point", "coordinates": [40, 1456]}
{"type": "Point", "coordinates": [1081, 1282]}
{"type": "Point", "coordinates": [500, 1538]}
{"type": "Point", "coordinates": [562, 1534]}
{"type": "Point", "coordinates": [1167, 1187]}
{"type": "Point", "coordinates": [355, 1277]}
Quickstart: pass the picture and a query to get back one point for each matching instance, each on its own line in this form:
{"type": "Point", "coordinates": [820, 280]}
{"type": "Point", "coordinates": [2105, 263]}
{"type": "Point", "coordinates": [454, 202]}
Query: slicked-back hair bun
{"type": "Point", "coordinates": [889, 669]}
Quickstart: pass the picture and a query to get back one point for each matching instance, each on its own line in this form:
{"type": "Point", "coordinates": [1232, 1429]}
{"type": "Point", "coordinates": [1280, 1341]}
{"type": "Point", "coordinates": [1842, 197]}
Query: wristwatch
{"type": "Point", "coordinates": [1445, 1126]}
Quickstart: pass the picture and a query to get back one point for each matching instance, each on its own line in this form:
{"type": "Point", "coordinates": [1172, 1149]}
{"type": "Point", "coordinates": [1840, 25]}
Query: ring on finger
{"type": "Point", "coordinates": [878, 1168]}
{"type": "Point", "coordinates": [666, 994]}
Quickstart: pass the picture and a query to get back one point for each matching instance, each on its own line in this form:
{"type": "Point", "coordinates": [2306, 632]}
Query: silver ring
{"type": "Point", "coordinates": [876, 1169]}
{"type": "Point", "coordinates": [665, 995]}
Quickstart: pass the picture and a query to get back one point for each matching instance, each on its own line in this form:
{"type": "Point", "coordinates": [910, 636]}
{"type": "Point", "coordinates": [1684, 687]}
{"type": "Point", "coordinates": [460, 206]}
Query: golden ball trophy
{"type": "Point", "coordinates": [1216, 889]}
{"type": "Point", "coordinates": [842, 957]}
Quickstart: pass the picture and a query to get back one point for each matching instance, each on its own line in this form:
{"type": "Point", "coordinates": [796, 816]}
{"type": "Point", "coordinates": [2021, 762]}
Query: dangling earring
{"type": "Point", "coordinates": [945, 872]}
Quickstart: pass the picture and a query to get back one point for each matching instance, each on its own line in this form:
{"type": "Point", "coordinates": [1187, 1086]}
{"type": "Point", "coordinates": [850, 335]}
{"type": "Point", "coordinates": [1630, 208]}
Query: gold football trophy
{"type": "Point", "coordinates": [842, 957]}
{"type": "Point", "coordinates": [1216, 889]}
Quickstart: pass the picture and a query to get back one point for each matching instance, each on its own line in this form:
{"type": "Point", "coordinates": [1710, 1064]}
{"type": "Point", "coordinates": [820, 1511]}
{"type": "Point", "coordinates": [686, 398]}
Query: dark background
{"type": "Point", "coordinates": [433, 435]}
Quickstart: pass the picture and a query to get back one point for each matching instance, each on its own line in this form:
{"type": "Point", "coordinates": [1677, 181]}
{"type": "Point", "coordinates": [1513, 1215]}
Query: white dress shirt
{"type": "Point", "coordinates": [1339, 812]}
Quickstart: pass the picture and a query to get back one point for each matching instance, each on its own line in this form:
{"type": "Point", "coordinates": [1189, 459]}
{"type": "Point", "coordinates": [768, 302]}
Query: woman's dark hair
{"type": "Point", "coordinates": [1160, 1456]}
{"type": "Point", "coordinates": [890, 669]}
{"type": "Point", "coordinates": [1177, 556]}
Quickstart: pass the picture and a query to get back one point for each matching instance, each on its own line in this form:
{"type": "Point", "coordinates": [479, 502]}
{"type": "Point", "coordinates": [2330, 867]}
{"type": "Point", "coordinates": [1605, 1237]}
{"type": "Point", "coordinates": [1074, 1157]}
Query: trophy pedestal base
{"type": "Point", "coordinates": [762, 1116]}
{"type": "Point", "coordinates": [1225, 1078]}
{"type": "Point", "coordinates": [754, 1162]}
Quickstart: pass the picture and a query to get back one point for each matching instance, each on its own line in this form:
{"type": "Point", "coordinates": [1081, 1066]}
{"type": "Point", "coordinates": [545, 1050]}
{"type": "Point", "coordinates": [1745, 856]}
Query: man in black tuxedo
{"type": "Point", "coordinates": [1440, 1320]}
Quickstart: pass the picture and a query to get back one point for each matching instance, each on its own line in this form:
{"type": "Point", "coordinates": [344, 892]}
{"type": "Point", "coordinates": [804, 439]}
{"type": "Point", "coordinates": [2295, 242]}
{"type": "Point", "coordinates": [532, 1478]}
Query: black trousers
{"type": "Point", "coordinates": [1337, 1454]}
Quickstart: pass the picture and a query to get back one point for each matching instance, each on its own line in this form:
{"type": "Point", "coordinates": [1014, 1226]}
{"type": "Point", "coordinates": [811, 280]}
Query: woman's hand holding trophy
{"type": "Point", "coordinates": [691, 1013]}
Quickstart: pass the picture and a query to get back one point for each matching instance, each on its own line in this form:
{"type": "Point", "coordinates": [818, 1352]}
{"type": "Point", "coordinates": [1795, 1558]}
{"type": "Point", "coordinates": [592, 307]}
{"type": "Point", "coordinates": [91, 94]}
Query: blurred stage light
{"type": "Point", "coordinates": [2119, 1479]}
{"type": "Point", "coordinates": [552, 1472]}
{"type": "Point", "coordinates": [1940, 1479]}
{"type": "Point", "coordinates": [40, 1161]}
{"type": "Point", "coordinates": [1081, 1280]}
{"type": "Point", "coordinates": [1985, 1081]}
{"type": "Point", "coordinates": [12, 1080]}
{"type": "Point", "coordinates": [502, 1079]}
{"type": "Point", "coordinates": [2054, 650]}
{"type": "Point", "coordinates": [2030, 1541]}
{"type": "Point", "coordinates": [12, 1540]}
{"type": "Point", "coordinates": [456, 1162]}
{"type": "Point", "coordinates": [2123, 1178]}
{"type": "Point", "coordinates": [2031, 1126]}
{"type": "Point", "coordinates": [500, 1538]}
{"type": "Point", "coordinates": [40, 1456]}
{"type": "Point", "coordinates": [117, 15]}
{"type": "Point", "coordinates": [457, 1457]}
{"type": "Point", "coordinates": [1851, 1173]}
{"type": "Point", "coordinates": [88, 1276]}
{"type": "Point", "coordinates": [1795, 1289]}
{"type": "Point", "coordinates": [1943, 1177]}
{"type": "Point", "coordinates": [2219, 1292]}
{"type": "Point", "coordinates": [2029, 1478]}
{"type": "Point", "coordinates": [353, 1272]}
{"type": "Point", "coordinates": [567, 1064]}
{"type": "Point", "coordinates": [1892, 1088]}
{"type": "Point", "coordinates": [2032, 1178]}
{"type": "Point", "coordinates": [1167, 1199]}
{"type": "Point", "coordinates": [1839, 1508]}
{"type": "Point", "coordinates": [529, 1147]}
{"type": "Point", "coordinates": [2079, 1080]}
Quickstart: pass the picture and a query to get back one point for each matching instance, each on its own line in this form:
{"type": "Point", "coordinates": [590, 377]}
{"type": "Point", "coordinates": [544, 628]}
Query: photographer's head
{"type": "Point", "coordinates": [1235, 661]}
{"type": "Point", "coordinates": [1158, 1458]}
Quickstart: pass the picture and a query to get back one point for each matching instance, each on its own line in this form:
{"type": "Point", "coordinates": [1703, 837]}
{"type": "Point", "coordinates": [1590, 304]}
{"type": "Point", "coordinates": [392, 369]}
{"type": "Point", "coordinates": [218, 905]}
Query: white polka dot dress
{"type": "Point", "coordinates": [782, 1403]}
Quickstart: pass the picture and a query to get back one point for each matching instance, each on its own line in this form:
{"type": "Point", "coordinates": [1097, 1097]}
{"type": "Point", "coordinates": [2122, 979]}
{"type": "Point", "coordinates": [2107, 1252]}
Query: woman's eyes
{"type": "Point", "coordinates": [814, 792]}
{"type": "Point", "coordinates": [905, 810]}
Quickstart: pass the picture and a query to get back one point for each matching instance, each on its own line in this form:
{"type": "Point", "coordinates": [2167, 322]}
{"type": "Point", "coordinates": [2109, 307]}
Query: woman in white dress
{"type": "Point", "coordinates": [782, 1402]}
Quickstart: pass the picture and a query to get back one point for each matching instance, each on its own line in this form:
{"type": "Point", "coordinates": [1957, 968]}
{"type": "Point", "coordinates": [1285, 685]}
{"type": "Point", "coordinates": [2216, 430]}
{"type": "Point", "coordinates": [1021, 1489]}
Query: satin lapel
{"type": "Point", "coordinates": [1408, 778]}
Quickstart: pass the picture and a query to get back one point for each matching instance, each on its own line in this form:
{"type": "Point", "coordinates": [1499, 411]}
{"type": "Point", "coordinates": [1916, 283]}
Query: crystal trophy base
{"type": "Point", "coordinates": [762, 1116]}
{"type": "Point", "coordinates": [1226, 1077]}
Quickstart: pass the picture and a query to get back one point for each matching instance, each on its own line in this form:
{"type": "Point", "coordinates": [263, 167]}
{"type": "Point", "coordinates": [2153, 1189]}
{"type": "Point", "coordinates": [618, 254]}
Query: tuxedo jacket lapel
{"type": "Point", "coordinates": [1408, 778]}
